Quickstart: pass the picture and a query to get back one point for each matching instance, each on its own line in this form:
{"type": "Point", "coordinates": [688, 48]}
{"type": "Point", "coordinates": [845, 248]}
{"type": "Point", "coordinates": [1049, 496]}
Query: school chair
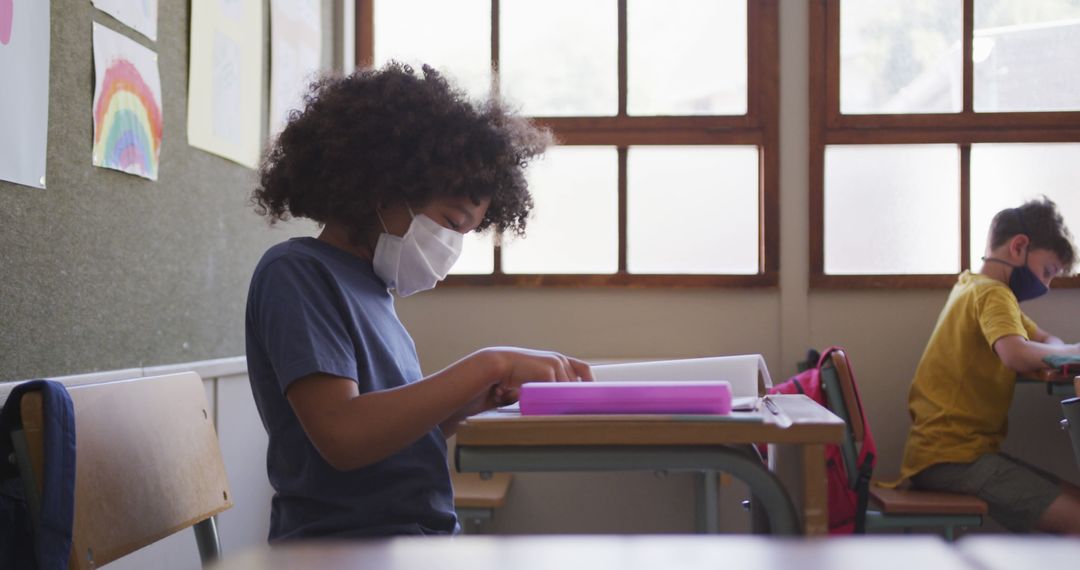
{"type": "Point", "coordinates": [147, 465]}
{"type": "Point", "coordinates": [476, 498]}
{"type": "Point", "coordinates": [892, 508]}
{"type": "Point", "coordinates": [1071, 410]}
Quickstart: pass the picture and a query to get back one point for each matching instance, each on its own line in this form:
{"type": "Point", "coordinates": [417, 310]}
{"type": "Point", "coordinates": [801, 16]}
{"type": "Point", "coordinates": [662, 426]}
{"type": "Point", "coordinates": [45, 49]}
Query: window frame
{"type": "Point", "coordinates": [758, 127]}
{"type": "Point", "coordinates": [828, 126]}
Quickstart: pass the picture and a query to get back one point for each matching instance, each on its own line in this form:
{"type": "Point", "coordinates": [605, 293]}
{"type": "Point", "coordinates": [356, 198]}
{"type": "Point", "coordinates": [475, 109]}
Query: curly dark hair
{"type": "Point", "coordinates": [382, 136]}
{"type": "Point", "coordinates": [1041, 222]}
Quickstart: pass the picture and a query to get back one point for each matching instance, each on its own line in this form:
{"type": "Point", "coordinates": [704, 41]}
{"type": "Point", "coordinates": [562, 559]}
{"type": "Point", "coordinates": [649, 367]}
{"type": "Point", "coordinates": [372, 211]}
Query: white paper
{"type": "Point", "coordinates": [141, 15]}
{"type": "Point", "coordinates": [747, 373]}
{"type": "Point", "coordinates": [24, 97]}
{"type": "Point", "coordinates": [127, 105]}
{"type": "Point", "coordinates": [225, 100]}
{"type": "Point", "coordinates": [295, 55]}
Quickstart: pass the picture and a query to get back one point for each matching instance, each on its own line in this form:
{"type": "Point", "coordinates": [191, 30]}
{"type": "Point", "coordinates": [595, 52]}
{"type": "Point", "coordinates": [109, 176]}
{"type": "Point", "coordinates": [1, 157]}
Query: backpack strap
{"type": "Point", "coordinates": [52, 538]}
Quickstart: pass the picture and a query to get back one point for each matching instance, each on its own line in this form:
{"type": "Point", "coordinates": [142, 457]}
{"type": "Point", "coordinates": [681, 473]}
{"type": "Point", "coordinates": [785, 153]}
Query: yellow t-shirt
{"type": "Point", "coordinates": [960, 397]}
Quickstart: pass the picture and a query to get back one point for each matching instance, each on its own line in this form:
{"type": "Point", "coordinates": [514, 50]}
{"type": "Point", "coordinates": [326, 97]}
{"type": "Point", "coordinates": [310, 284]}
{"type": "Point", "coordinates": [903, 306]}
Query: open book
{"type": "Point", "coordinates": [747, 374]}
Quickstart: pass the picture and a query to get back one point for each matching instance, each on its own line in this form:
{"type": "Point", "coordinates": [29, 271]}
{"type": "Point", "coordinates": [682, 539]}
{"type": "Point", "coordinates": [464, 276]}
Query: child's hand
{"type": "Point", "coordinates": [518, 366]}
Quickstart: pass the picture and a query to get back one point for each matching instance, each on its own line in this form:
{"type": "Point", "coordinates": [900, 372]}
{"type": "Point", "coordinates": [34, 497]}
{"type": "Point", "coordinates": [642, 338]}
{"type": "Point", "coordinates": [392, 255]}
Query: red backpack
{"type": "Point", "coordinates": [846, 499]}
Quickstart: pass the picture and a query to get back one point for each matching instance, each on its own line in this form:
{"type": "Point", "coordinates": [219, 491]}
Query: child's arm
{"type": "Point", "coordinates": [1022, 355]}
{"type": "Point", "coordinates": [352, 430]}
{"type": "Point", "coordinates": [1046, 338]}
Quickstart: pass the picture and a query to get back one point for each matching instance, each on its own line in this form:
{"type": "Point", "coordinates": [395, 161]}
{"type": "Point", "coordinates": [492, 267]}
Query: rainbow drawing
{"type": "Point", "coordinates": [127, 109]}
{"type": "Point", "coordinates": [7, 20]}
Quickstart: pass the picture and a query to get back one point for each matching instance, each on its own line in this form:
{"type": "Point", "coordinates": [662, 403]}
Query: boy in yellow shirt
{"type": "Point", "coordinates": [960, 396]}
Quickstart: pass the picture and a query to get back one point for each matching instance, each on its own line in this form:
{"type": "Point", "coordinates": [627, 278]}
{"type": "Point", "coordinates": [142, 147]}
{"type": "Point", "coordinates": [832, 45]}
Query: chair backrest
{"type": "Point", "coordinates": [147, 463]}
{"type": "Point", "coordinates": [1071, 410]}
{"type": "Point", "coordinates": [837, 382]}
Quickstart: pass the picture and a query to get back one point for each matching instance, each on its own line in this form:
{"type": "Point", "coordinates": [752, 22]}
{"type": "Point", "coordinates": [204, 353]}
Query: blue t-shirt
{"type": "Point", "coordinates": [315, 308]}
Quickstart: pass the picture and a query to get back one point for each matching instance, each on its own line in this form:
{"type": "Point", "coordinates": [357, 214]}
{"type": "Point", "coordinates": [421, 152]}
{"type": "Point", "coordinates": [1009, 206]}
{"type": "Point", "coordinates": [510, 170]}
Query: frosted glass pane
{"type": "Point", "coordinates": [559, 57]}
{"type": "Point", "coordinates": [1027, 55]}
{"type": "Point", "coordinates": [574, 226]}
{"type": "Point", "coordinates": [892, 209]}
{"type": "Point", "coordinates": [1007, 175]}
{"type": "Point", "coordinates": [686, 57]}
{"type": "Point", "coordinates": [899, 56]}
{"type": "Point", "coordinates": [692, 210]}
{"type": "Point", "coordinates": [453, 37]}
{"type": "Point", "coordinates": [477, 255]}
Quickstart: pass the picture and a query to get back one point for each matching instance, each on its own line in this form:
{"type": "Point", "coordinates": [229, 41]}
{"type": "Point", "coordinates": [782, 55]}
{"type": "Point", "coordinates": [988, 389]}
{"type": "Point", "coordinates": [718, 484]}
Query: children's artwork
{"type": "Point", "coordinates": [127, 105]}
{"type": "Point", "coordinates": [141, 15]}
{"type": "Point", "coordinates": [24, 99]}
{"type": "Point", "coordinates": [295, 55]}
{"type": "Point", "coordinates": [225, 79]}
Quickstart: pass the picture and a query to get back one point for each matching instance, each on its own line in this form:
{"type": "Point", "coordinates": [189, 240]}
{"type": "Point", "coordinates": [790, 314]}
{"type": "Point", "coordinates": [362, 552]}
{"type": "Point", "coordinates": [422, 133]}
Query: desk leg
{"type": "Point", "coordinates": [708, 502]}
{"type": "Point", "coordinates": [815, 489]}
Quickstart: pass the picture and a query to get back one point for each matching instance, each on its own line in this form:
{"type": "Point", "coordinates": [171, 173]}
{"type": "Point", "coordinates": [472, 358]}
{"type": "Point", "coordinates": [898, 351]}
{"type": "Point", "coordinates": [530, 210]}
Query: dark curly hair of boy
{"type": "Point", "coordinates": [1041, 221]}
{"type": "Point", "coordinates": [382, 136]}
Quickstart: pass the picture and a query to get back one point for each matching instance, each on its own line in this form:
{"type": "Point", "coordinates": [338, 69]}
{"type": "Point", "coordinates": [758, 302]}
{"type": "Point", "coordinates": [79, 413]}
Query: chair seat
{"type": "Point", "coordinates": [472, 492]}
{"type": "Point", "coordinates": [909, 502]}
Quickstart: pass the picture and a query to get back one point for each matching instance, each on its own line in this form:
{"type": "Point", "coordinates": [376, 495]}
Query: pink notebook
{"type": "Point", "coordinates": [639, 397]}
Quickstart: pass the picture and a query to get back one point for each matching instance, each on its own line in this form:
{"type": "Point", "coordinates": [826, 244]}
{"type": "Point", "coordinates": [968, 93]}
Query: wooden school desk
{"type": "Point", "coordinates": [508, 442]}
{"type": "Point", "coordinates": [600, 552]}
{"type": "Point", "coordinates": [1057, 384]}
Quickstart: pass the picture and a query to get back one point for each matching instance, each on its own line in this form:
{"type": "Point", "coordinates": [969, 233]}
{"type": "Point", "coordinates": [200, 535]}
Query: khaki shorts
{"type": "Point", "coordinates": [1018, 493]}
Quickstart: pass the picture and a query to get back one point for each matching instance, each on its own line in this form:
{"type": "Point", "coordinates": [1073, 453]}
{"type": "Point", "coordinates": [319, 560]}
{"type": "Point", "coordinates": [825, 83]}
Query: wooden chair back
{"type": "Point", "coordinates": [147, 463]}
{"type": "Point", "coordinates": [847, 390]}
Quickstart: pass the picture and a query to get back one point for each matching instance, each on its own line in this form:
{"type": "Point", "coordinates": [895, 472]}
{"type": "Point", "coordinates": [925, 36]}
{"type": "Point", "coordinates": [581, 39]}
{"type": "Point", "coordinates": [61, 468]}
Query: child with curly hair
{"type": "Point", "coordinates": [396, 166]}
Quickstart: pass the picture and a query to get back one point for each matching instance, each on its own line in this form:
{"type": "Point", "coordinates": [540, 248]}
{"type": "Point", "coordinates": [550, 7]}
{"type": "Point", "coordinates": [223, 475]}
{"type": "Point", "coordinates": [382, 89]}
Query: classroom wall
{"type": "Point", "coordinates": [104, 271]}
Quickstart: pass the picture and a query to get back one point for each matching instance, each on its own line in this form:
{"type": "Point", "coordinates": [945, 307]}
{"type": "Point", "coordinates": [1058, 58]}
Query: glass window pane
{"type": "Point", "coordinates": [692, 209]}
{"type": "Point", "coordinates": [686, 57]}
{"type": "Point", "coordinates": [559, 57]}
{"type": "Point", "coordinates": [477, 255]}
{"type": "Point", "coordinates": [899, 56]}
{"type": "Point", "coordinates": [453, 37]}
{"type": "Point", "coordinates": [1026, 55]}
{"type": "Point", "coordinates": [1007, 175]}
{"type": "Point", "coordinates": [574, 226]}
{"type": "Point", "coordinates": [892, 209]}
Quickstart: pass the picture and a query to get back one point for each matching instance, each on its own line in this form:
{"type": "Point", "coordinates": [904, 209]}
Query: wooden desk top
{"type": "Point", "coordinates": [1054, 376]}
{"type": "Point", "coordinates": [644, 552]}
{"type": "Point", "coordinates": [811, 423]}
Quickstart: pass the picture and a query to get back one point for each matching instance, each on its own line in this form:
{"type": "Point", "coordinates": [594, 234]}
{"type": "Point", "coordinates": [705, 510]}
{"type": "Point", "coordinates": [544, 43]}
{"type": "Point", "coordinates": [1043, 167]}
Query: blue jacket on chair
{"type": "Point", "coordinates": [51, 544]}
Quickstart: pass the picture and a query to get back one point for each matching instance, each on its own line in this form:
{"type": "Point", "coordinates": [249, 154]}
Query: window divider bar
{"type": "Point", "coordinates": [622, 39]}
{"type": "Point", "coordinates": [364, 13]}
{"type": "Point", "coordinates": [819, 112]}
{"type": "Point", "coordinates": [623, 151]}
{"type": "Point", "coordinates": [496, 84]}
{"type": "Point", "coordinates": [968, 66]}
{"type": "Point", "coordinates": [965, 207]}
{"type": "Point", "coordinates": [831, 30]}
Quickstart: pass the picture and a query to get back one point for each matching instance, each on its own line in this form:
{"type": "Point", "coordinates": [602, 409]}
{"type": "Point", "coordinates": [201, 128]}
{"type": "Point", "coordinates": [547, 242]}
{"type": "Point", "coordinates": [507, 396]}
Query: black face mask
{"type": "Point", "coordinates": [1023, 281]}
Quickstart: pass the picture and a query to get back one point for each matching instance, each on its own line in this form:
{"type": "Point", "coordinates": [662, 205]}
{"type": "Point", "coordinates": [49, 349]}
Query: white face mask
{"type": "Point", "coordinates": [418, 260]}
